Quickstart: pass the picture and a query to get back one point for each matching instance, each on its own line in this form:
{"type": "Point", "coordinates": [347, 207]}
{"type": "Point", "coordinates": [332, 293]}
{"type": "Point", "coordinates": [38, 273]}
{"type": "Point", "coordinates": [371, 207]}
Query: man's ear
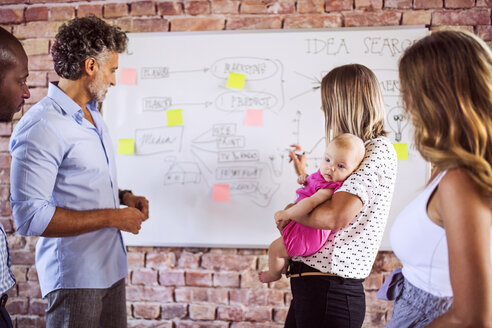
{"type": "Point", "coordinates": [90, 66]}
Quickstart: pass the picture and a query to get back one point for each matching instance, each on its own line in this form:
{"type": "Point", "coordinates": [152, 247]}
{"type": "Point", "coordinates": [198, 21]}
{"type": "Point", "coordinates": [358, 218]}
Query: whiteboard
{"type": "Point", "coordinates": [238, 137]}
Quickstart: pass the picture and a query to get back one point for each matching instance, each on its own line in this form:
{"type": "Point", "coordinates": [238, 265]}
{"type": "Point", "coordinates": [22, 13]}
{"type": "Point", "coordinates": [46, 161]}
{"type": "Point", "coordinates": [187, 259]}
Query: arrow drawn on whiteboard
{"type": "Point", "coordinates": [316, 85]}
{"type": "Point", "coordinates": [204, 70]}
{"type": "Point", "coordinates": [201, 161]}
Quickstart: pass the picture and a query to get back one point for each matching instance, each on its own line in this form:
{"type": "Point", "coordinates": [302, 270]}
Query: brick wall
{"type": "Point", "coordinates": [183, 287]}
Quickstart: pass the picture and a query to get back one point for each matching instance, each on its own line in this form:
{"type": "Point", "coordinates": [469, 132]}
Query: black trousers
{"type": "Point", "coordinates": [5, 321]}
{"type": "Point", "coordinates": [325, 301]}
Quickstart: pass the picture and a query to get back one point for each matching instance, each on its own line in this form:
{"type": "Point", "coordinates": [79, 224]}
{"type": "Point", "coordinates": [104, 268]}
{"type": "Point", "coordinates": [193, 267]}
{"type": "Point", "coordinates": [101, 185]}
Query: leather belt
{"type": "Point", "coordinates": [3, 300]}
{"type": "Point", "coordinates": [302, 274]}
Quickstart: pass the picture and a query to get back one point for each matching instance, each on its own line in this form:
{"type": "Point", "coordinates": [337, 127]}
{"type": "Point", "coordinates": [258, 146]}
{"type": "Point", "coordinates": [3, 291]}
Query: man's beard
{"type": "Point", "coordinates": [97, 91]}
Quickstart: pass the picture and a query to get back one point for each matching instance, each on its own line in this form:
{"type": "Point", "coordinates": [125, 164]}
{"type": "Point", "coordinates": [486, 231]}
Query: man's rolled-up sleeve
{"type": "Point", "coordinates": [37, 153]}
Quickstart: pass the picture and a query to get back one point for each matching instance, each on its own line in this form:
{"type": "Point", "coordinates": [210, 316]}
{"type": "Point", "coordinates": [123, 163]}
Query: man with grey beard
{"type": "Point", "coordinates": [13, 92]}
{"type": "Point", "coordinates": [63, 183]}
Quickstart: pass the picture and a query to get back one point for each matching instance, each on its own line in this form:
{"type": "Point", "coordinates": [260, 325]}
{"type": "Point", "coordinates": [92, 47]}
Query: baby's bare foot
{"type": "Point", "coordinates": [268, 276]}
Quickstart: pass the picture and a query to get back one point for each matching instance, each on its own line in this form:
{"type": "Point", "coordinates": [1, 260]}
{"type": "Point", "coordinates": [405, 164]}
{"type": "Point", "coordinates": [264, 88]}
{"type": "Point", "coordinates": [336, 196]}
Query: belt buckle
{"type": "Point", "coordinates": [3, 300]}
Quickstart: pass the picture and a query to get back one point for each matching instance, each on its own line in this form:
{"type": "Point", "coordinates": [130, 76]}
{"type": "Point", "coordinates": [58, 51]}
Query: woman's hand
{"type": "Point", "coordinates": [299, 160]}
{"type": "Point", "coordinates": [301, 179]}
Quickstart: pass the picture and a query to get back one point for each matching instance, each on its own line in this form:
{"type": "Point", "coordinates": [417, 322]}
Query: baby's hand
{"type": "Point", "coordinates": [281, 216]}
{"type": "Point", "coordinates": [301, 179]}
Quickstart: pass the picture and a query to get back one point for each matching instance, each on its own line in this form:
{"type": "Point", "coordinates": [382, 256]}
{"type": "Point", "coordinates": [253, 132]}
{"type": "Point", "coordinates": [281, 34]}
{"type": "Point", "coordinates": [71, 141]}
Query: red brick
{"type": "Point", "coordinates": [146, 310]}
{"type": "Point", "coordinates": [226, 279]}
{"type": "Point", "coordinates": [171, 278]}
{"type": "Point", "coordinates": [144, 277]}
{"type": "Point", "coordinates": [33, 30]}
{"type": "Point", "coordinates": [474, 16]}
{"type": "Point", "coordinates": [173, 311]}
{"type": "Point", "coordinates": [11, 16]}
{"type": "Point", "coordinates": [135, 260]}
{"type": "Point", "coordinates": [485, 32]}
{"type": "Point", "coordinates": [339, 5]}
{"type": "Point", "coordinates": [311, 6]}
{"type": "Point", "coordinates": [37, 79]}
{"type": "Point", "coordinates": [31, 322]}
{"type": "Point", "coordinates": [160, 260]}
{"type": "Point", "coordinates": [198, 294]}
{"type": "Point", "coordinates": [416, 17]}
{"type": "Point", "coordinates": [261, 297]}
{"type": "Point", "coordinates": [376, 319]}
{"type": "Point", "coordinates": [11, 2]}
{"type": "Point", "coordinates": [225, 6]}
{"type": "Point", "coordinates": [189, 260]}
{"type": "Point", "coordinates": [113, 10]}
{"type": "Point", "coordinates": [197, 278]}
{"type": "Point", "coordinates": [169, 8]}
{"type": "Point", "coordinates": [5, 129]}
{"type": "Point", "coordinates": [149, 323]}
{"type": "Point", "coordinates": [258, 314]}
{"type": "Point", "coordinates": [465, 28]}
{"type": "Point", "coordinates": [15, 241]}
{"type": "Point", "coordinates": [32, 274]}
{"type": "Point", "coordinates": [313, 21]}
{"type": "Point", "coordinates": [230, 313]}
{"type": "Point", "coordinates": [375, 304]}
{"type": "Point", "coordinates": [197, 7]}
{"type": "Point", "coordinates": [282, 283]}
{"type": "Point", "coordinates": [249, 279]}
{"type": "Point", "coordinates": [40, 63]}
{"type": "Point", "coordinates": [213, 261]}
{"type": "Point", "coordinates": [150, 25]}
{"type": "Point", "coordinates": [255, 325]}
{"type": "Point", "coordinates": [29, 289]}
{"type": "Point", "coordinates": [62, 13]}
{"type": "Point", "coordinates": [427, 4]}
{"type": "Point", "coordinates": [20, 272]}
{"type": "Point", "coordinates": [36, 47]}
{"type": "Point", "coordinates": [459, 3]}
{"type": "Point", "coordinates": [197, 24]}
{"type": "Point", "coordinates": [36, 95]}
{"type": "Point", "coordinates": [142, 8]}
{"type": "Point", "coordinates": [373, 281]}
{"type": "Point", "coordinates": [36, 14]}
{"type": "Point", "coordinates": [253, 7]}
{"type": "Point", "coordinates": [86, 10]}
{"type": "Point", "coordinates": [22, 257]}
{"type": "Point", "coordinates": [52, 76]}
{"type": "Point", "coordinates": [201, 324]}
{"type": "Point", "coordinates": [372, 18]}
{"type": "Point", "coordinates": [17, 305]}
{"type": "Point", "coordinates": [152, 294]}
{"type": "Point", "coordinates": [5, 162]}
{"type": "Point", "coordinates": [385, 262]}
{"type": "Point", "coordinates": [399, 4]}
{"type": "Point", "coordinates": [280, 313]}
{"type": "Point", "coordinates": [38, 307]}
{"type": "Point", "coordinates": [5, 209]}
{"type": "Point", "coordinates": [282, 7]}
{"type": "Point", "coordinates": [484, 3]}
{"type": "Point", "coordinates": [4, 145]}
{"type": "Point", "coordinates": [202, 311]}
{"type": "Point", "coordinates": [369, 4]}
{"type": "Point", "coordinates": [6, 222]}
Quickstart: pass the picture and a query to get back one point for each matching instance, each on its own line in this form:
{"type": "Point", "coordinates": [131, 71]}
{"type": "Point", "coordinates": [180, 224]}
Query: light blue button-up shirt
{"type": "Point", "coordinates": [59, 159]}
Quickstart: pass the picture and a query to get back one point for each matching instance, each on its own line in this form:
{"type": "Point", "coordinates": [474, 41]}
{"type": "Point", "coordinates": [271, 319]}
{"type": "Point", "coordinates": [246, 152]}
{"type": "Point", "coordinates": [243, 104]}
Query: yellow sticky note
{"type": "Point", "coordinates": [126, 147]}
{"type": "Point", "coordinates": [221, 193]}
{"type": "Point", "coordinates": [236, 80]}
{"type": "Point", "coordinates": [401, 151]}
{"type": "Point", "coordinates": [174, 117]}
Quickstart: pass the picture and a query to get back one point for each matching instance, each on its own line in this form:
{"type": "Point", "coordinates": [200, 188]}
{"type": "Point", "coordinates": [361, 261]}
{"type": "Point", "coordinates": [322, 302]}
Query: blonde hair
{"type": "Point", "coordinates": [446, 82]}
{"type": "Point", "coordinates": [352, 102]}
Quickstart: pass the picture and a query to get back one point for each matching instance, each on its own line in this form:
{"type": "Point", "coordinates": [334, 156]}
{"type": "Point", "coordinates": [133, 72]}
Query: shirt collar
{"type": "Point", "coordinates": [67, 104]}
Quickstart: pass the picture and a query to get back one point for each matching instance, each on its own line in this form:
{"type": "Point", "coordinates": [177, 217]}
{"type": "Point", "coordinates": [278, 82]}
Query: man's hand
{"type": "Point", "coordinates": [139, 202]}
{"type": "Point", "coordinates": [130, 219]}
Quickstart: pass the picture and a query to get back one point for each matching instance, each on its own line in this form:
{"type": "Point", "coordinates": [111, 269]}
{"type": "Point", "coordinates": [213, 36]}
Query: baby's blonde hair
{"type": "Point", "coordinates": [351, 143]}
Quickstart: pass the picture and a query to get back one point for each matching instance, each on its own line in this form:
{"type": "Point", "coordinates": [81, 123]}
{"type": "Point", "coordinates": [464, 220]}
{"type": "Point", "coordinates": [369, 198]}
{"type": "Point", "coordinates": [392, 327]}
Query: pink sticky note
{"type": "Point", "coordinates": [221, 193]}
{"type": "Point", "coordinates": [128, 76]}
{"type": "Point", "coordinates": [254, 117]}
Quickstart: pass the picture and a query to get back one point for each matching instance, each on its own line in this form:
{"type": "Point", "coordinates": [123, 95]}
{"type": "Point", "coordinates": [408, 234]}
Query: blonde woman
{"type": "Point", "coordinates": [443, 237]}
{"type": "Point", "coordinates": [327, 286]}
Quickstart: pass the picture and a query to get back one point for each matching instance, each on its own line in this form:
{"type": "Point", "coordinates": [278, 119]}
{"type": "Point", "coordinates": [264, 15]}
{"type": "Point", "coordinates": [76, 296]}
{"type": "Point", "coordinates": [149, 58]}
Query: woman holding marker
{"type": "Point", "coordinates": [444, 237]}
{"type": "Point", "coordinates": [327, 286]}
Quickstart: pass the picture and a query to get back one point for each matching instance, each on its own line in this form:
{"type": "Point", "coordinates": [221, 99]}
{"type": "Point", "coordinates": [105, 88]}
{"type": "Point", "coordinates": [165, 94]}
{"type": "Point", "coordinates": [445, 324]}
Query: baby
{"type": "Point", "coordinates": [342, 157]}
